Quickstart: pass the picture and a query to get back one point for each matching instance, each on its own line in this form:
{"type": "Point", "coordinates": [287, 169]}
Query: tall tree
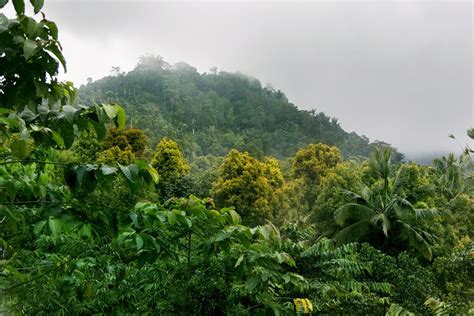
{"type": "Point", "coordinates": [171, 165]}
{"type": "Point", "coordinates": [381, 211]}
{"type": "Point", "coordinates": [248, 184]}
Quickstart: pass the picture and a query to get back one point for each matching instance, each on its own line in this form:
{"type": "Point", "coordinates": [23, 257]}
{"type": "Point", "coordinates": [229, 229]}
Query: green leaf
{"type": "Point", "coordinates": [53, 29]}
{"type": "Point", "coordinates": [31, 27]}
{"type": "Point", "coordinates": [55, 50]}
{"type": "Point", "coordinates": [352, 211]}
{"type": "Point", "coordinates": [263, 232]}
{"type": "Point", "coordinates": [86, 231]}
{"type": "Point", "coordinates": [134, 218]}
{"type": "Point", "coordinates": [120, 116]}
{"type": "Point", "coordinates": [126, 172]}
{"type": "Point", "coordinates": [251, 283]}
{"type": "Point", "coordinates": [19, 6]}
{"type": "Point", "coordinates": [39, 227]}
{"type": "Point", "coordinates": [110, 110]}
{"type": "Point", "coordinates": [58, 139]}
{"type": "Point", "coordinates": [3, 3]}
{"type": "Point", "coordinates": [139, 241]}
{"type": "Point", "coordinates": [29, 48]}
{"type": "Point", "coordinates": [239, 261]}
{"type": "Point", "coordinates": [55, 225]}
{"type": "Point", "coordinates": [171, 218]}
{"type": "Point", "coordinates": [67, 134]}
{"type": "Point", "coordinates": [37, 5]}
{"type": "Point", "coordinates": [153, 173]}
{"type": "Point", "coordinates": [353, 232]}
{"type": "Point", "coordinates": [106, 170]}
{"type": "Point", "coordinates": [397, 310]}
{"type": "Point", "coordinates": [234, 217]}
{"type": "Point", "coordinates": [100, 130]}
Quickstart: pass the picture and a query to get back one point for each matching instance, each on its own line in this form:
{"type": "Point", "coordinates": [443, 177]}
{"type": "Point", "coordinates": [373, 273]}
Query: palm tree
{"type": "Point", "coordinates": [453, 173]}
{"type": "Point", "coordinates": [383, 209]}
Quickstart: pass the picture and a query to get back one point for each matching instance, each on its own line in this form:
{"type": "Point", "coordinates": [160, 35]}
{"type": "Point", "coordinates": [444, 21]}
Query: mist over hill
{"type": "Point", "coordinates": [211, 113]}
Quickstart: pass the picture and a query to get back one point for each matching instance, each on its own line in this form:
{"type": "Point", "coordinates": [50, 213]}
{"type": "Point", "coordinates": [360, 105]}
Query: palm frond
{"type": "Point", "coordinates": [367, 193]}
{"type": "Point", "coordinates": [401, 179]}
{"type": "Point", "coordinates": [352, 211]}
{"type": "Point", "coordinates": [384, 220]}
{"type": "Point", "coordinates": [380, 163]}
{"type": "Point", "coordinates": [417, 241]}
{"type": "Point", "coordinates": [426, 213]}
{"type": "Point", "coordinates": [353, 232]}
{"type": "Point", "coordinates": [404, 210]}
{"type": "Point", "coordinates": [355, 197]}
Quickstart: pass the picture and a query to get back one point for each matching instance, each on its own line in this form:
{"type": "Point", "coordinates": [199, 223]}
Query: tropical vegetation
{"type": "Point", "coordinates": [226, 200]}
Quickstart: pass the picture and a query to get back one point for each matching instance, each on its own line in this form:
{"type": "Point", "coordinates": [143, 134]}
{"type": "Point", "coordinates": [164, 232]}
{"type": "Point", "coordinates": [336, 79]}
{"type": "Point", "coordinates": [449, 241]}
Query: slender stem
{"type": "Point", "coordinates": [189, 256]}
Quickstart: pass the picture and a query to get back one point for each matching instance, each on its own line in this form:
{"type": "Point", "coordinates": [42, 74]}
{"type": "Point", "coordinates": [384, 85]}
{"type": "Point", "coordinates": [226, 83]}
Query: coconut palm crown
{"type": "Point", "coordinates": [382, 208]}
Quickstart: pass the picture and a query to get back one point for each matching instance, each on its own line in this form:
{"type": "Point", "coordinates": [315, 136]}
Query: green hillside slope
{"type": "Point", "coordinates": [211, 113]}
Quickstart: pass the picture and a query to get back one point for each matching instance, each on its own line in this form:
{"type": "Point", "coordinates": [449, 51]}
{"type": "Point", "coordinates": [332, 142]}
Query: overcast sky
{"type": "Point", "coordinates": [397, 71]}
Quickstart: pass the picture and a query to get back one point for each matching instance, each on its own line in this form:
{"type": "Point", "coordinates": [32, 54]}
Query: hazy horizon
{"type": "Point", "coordinates": [395, 71]}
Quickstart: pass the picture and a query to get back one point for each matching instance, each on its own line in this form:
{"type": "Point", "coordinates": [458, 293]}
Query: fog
{"type": "Point", "coordinates": [399, 71]}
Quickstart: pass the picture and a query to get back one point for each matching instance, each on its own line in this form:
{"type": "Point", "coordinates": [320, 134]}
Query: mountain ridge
{"type": "Point", "coordinates": [211, 113]}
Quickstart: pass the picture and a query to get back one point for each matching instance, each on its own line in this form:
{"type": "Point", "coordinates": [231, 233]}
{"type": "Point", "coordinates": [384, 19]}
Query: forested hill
{"type": "Point", "coordinates": [211, 113]}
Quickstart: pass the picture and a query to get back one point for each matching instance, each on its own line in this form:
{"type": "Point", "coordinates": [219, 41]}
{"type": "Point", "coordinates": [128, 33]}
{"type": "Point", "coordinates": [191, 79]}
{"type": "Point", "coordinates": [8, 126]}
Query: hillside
{"type": "Point", "coordinates": [211, 113]}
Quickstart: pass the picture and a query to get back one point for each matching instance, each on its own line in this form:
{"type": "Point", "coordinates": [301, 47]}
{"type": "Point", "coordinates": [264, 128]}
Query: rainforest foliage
{"type": "Point", "coordinates": [226, 200]}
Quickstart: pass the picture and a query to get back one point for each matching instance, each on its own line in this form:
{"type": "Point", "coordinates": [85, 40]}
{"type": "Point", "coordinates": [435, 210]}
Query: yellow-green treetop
{"type": "Point", "coordinates": [313, 161]}
{"type": "Point", "coordinates": [248, 184]}
{"type": "Point", "coordinates": [169, 160]}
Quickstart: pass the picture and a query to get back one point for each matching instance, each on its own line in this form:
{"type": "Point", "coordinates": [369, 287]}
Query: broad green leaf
{"type": "Point", "coordinates": [29, 48]}
{"type": "Point", "coordinates": [110, 110]}
{"type": "Point", "coordinates": [53, 29]}
{"type": "Point", "coordinates": [58, 139]}
{"type": "Point", "coordinates": [251, 283]}
{"type": "Point", "coordinates": [157, 245]}
{"type": "Point", "coordinates": [19, 6]}
{"type": "Point", "coordinates": [139, 241]}
{"type": "Point", "coordinates": [9, 122]}
{"type": "Point", "coordinates": [171, 218]}
{"type": "Point", "coordinates": [37, 5]}
{"type": "Point", "coordinates": [3, 3]}
{"type": "Point", "coordinates": [100, 129]}
{"type": "Point", "coordinates": [68, 112]}
{"type": "Point", "coordinates": [126, 172]}
{"type": "Point", "coordinates": [55, 50]}
{"type": "Point", "coordinates": [234, 217]}
{"type": "Point", "coordinates": [31, 27]}
{"type": "Point", "coordinates": [183, 220]}
{"type": "Point", "coordinates": [55, 225]}
{"type": "Point", "coordinates": [120, 116]}
{"type": "Point", "coordinates": [67, 134]}
{"type": "Point", "coordinates": [39, 227]}
{"type": "Point", "coordinates": [263, 232]}
{"type": "Point", "coordinates": [153, 173]}
{"type": "Point", "coordinates": [134, 218]}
